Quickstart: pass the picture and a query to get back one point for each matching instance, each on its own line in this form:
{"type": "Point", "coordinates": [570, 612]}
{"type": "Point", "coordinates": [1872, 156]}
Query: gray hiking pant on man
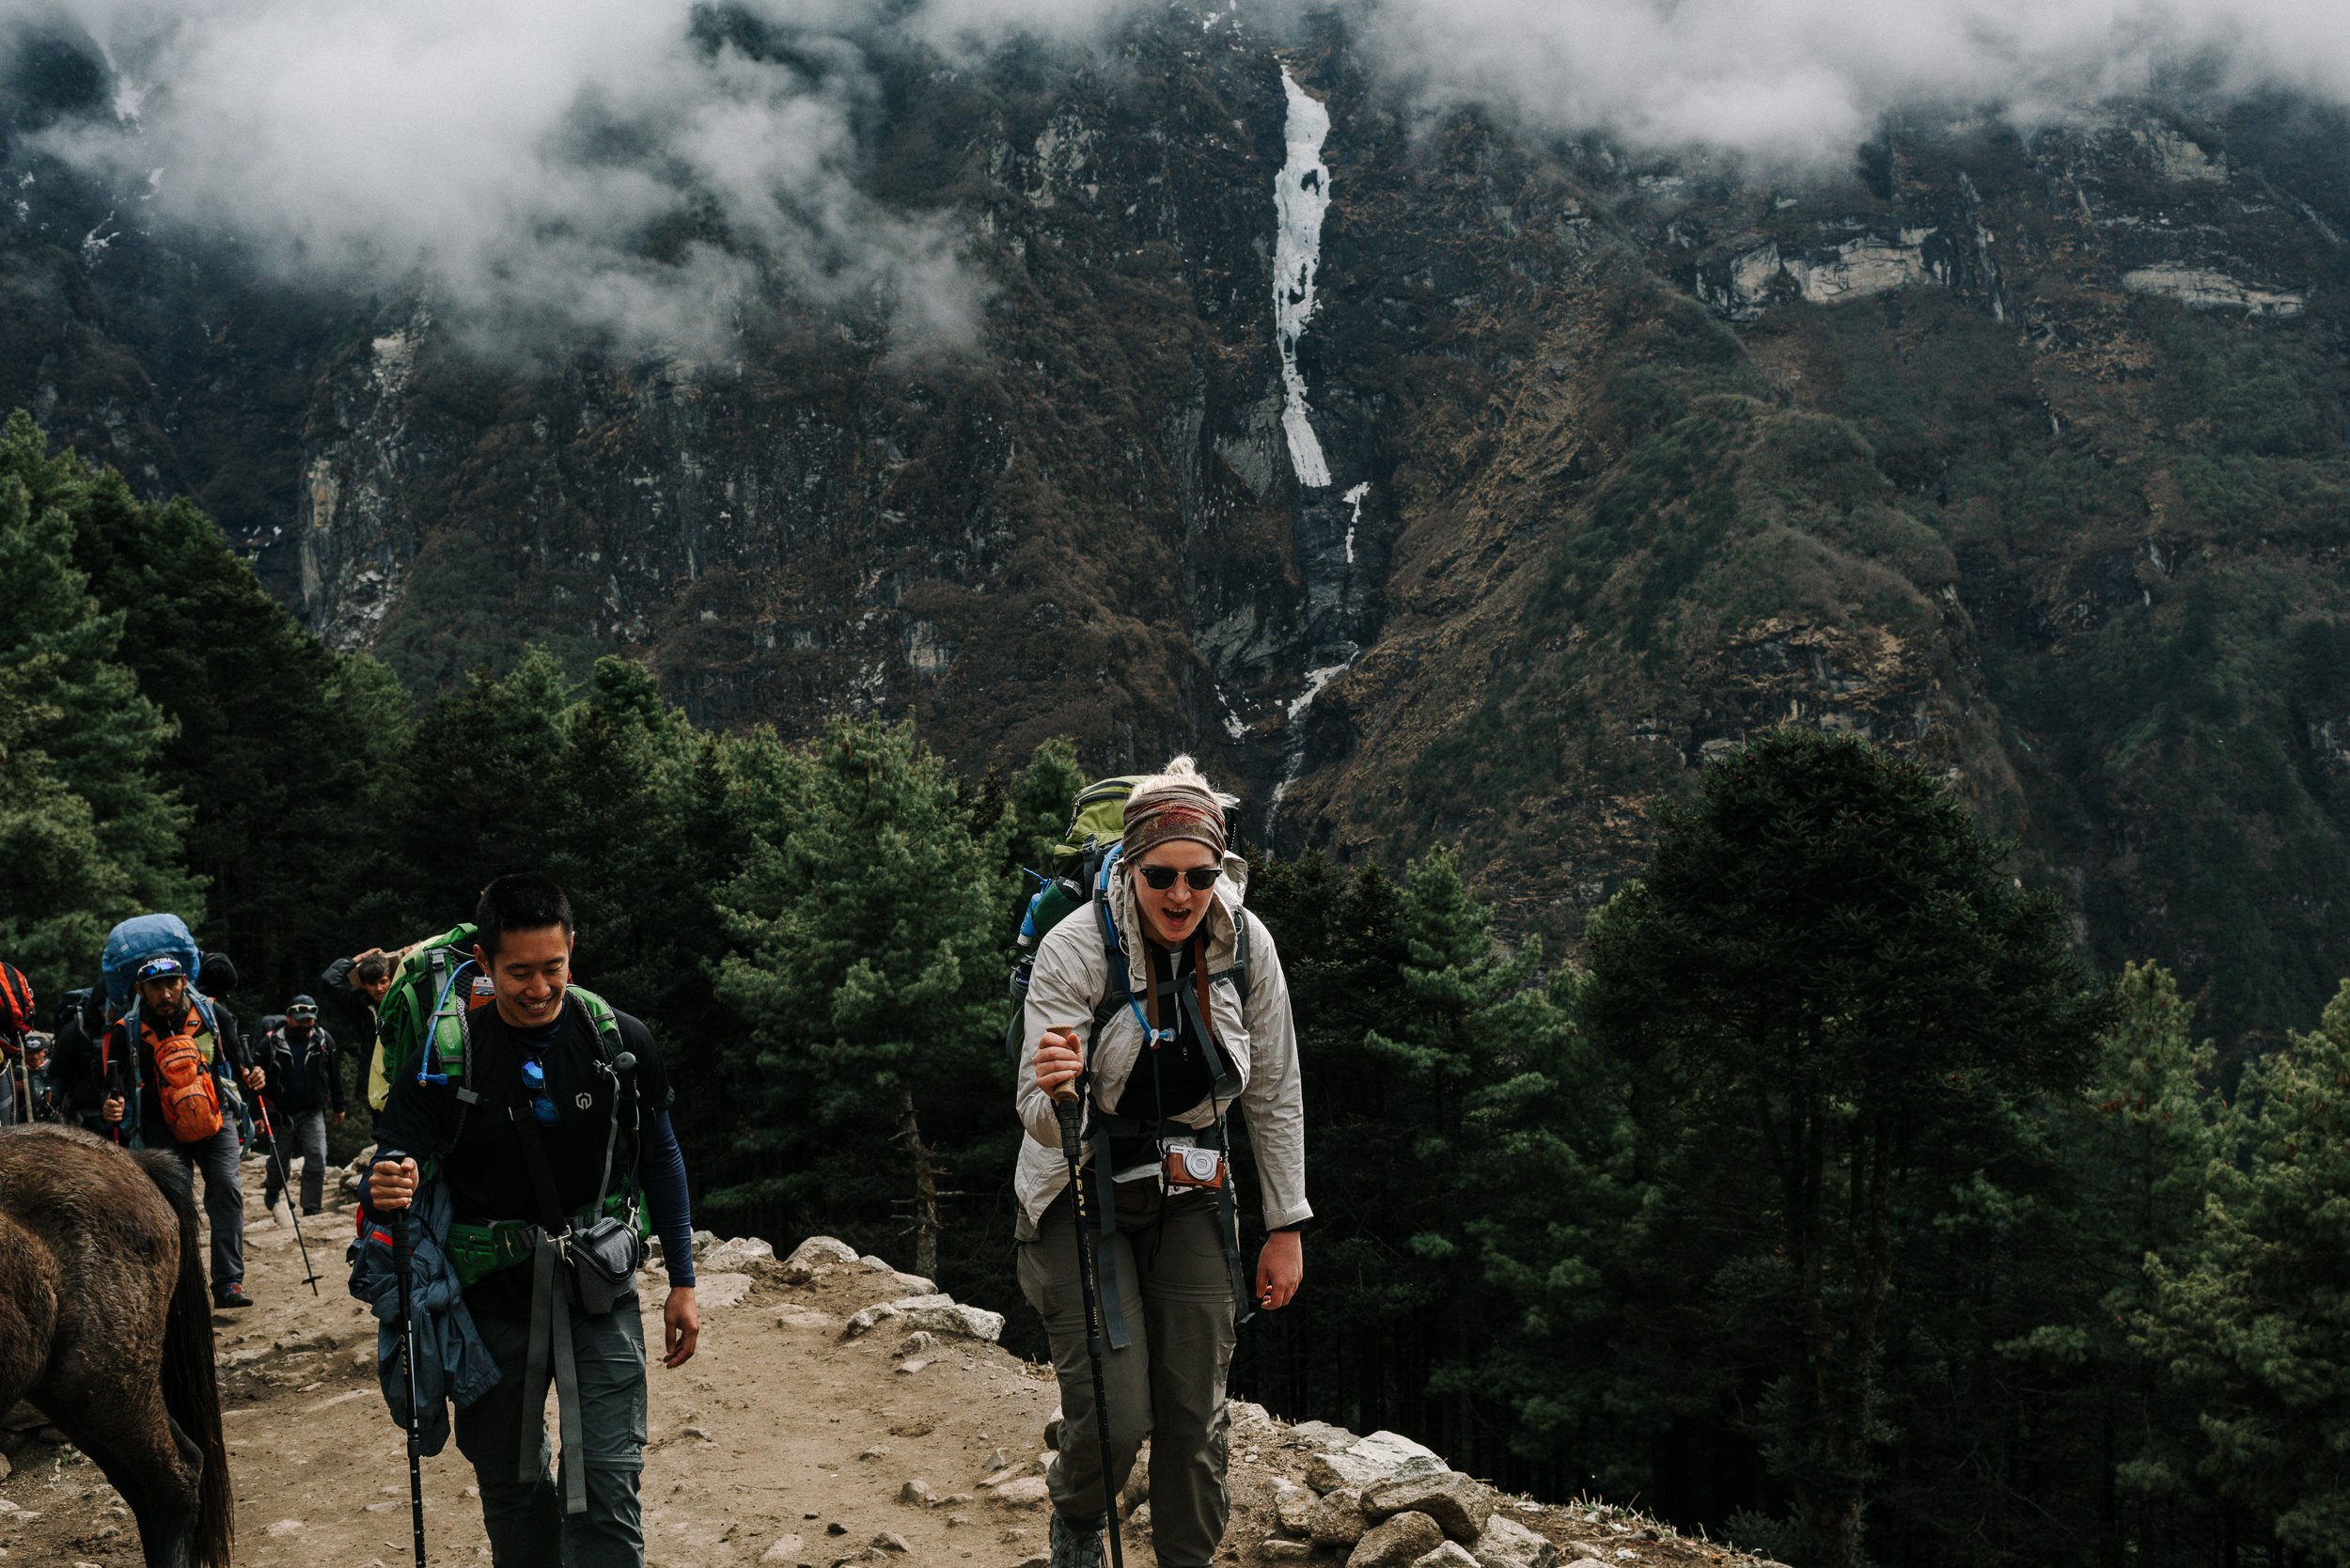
{"type": "Point", "coordinates": [301, 1133]}
{"type": "Point", "coordinates": [1166, 1386]}
{"type": "Point", "coordinates": [217, 1158]}
{"type": "Point", "coordinates": [525, 1521]}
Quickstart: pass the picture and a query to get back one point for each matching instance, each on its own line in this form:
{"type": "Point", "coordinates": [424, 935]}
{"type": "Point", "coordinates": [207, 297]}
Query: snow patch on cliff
{"type": "Point", "coordinates": [1293, 732]}
{"type": "Point", "coordinates": [1354, 499]}
{"type": "Point", "coordinates": [1301, 195]}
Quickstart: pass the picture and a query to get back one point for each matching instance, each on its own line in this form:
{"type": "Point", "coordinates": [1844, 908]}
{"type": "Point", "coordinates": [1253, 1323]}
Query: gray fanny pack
{"type": "Point", "coordinates": [604, 1257]}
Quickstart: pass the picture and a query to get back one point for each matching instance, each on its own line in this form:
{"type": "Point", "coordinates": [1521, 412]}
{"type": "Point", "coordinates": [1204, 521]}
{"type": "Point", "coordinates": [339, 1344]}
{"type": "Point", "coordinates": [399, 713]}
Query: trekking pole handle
{"type": "Point", "coordinates": [1064, 1093]}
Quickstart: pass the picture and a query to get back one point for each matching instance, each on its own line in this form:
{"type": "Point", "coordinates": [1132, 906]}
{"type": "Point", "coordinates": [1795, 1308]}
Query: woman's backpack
{"type": "Point", "coordinates": [437, 982]}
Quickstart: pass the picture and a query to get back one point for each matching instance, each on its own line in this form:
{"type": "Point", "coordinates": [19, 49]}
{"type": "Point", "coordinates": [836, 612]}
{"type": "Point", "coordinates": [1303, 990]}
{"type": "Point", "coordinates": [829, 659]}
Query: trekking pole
{"type": "Point", "coordinates": [403, 1249]}
{"type": "Point", "coordinates": [1067, 1106]}
{"type": "Point", "coordinates": [285, 1185]}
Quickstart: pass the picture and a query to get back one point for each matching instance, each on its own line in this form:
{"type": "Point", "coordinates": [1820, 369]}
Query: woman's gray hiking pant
{"type": "Point", "coordinates": [1165, 1386]}
{"type": "Point", "coordinates": [525, 1521]}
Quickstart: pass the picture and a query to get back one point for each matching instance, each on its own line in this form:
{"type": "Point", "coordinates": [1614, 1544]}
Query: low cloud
{"type": "Point", "coordinates": [540, 168]}
{"type": "Point", "coordinates": [661, 171]}
{"type": "Point", "coordinates": [1803, 81]}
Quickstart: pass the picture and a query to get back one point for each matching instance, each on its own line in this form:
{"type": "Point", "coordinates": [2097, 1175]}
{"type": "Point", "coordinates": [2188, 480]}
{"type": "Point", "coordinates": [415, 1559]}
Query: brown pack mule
{"type": "Point", "coordinates": [107, 1326]}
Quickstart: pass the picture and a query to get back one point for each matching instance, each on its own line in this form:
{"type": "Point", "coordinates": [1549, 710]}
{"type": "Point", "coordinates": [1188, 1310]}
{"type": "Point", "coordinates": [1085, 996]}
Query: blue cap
{"type": "Point", "coordinates": [162, 966]}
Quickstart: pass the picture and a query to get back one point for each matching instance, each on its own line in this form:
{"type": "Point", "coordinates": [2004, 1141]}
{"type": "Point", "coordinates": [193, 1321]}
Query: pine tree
{"type": "Point", "coordinates": [90, 828]}
{"type": "Point", "coordinates": [2257, 1324]}
{"type": "Point", "coordinates": [492, 788]}
{"type": "Point", "coordinates": [1469, 1039]}
{"type": "Point", "coordinates": [2142, 1169]}
{"type": "Point", "coordinates": [1824, 977]}
{"type": "Point", "coordinates": [1039, 801]}
{"type": "Point", "coordinates": [868, 938]}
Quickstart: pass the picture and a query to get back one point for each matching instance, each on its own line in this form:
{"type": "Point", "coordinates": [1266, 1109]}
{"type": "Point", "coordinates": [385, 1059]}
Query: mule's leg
{"type": "Point", "coordinates": [130, 1438]}
{"type": "Point", "coordinates": [28, 1309]}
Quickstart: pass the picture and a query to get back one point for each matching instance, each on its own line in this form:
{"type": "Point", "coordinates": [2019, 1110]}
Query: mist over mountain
{"type": "Point", "coordinates": [1605, 382]}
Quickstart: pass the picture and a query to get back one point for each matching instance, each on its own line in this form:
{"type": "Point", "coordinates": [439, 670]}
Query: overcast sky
{"type": "Point", "coordinates": [458, 141]}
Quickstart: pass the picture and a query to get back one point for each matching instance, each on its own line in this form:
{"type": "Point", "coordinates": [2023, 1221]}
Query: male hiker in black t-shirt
{"type": "Point", "coordinates": [541, 1147]}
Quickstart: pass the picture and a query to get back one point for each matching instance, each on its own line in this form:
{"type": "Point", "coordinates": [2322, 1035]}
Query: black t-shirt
{"type": "Point", "coordinates": [1170, 1078]}
{"type": "Point", "coordinates": [487, 1171]}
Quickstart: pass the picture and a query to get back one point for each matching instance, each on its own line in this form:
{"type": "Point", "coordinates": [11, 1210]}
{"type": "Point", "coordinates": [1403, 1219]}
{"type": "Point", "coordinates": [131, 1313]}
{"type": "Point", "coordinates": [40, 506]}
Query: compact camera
{"type": "Point", "coordinates": [1195, 1167]}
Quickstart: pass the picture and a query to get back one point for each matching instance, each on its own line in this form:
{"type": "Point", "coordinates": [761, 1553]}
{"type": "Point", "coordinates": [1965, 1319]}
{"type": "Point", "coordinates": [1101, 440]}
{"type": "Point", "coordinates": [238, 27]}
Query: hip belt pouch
{"type": "Point", "coordinates": [604, 1257]}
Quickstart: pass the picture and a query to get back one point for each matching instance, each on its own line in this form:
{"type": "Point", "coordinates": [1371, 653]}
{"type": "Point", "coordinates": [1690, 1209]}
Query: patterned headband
{"type": "Point", "coordinates": [1169, 814]}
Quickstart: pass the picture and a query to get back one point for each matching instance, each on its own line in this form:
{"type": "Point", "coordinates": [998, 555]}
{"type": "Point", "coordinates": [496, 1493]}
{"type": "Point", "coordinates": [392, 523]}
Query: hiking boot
{"type": "Point", "coordinates": [1076, 1543]}
{"type": "Point", "coordinates": [231, 1299]}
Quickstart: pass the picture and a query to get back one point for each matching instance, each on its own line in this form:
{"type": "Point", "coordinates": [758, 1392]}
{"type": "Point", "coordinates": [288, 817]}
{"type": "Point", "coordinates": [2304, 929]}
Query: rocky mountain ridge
{"type": "Point", "coordinates": [1432, 481]}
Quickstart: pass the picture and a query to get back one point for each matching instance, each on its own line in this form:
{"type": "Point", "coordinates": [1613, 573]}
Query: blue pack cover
{"type": "Point", "coordinates": [140, 938]}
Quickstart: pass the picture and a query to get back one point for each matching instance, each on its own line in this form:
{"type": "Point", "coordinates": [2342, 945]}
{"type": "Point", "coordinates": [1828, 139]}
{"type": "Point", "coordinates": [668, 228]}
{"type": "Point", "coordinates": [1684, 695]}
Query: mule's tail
{"type": "Point", "coordinates": [191, 1390]}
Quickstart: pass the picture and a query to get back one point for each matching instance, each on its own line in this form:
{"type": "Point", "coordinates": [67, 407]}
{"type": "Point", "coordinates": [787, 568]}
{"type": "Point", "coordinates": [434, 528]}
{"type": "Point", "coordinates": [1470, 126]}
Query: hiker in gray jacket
{"type": "Point", "coordinates": [1172, 1056]}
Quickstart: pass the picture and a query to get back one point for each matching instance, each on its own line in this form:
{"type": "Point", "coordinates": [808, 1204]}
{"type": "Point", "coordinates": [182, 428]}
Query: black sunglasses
{"type": "Point", "coordinates": [1199, 879]}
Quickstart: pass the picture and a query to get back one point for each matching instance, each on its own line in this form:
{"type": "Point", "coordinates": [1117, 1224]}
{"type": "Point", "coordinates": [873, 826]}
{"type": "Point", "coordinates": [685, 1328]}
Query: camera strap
{"type": "Point", "coordinates": [1193, 1001]}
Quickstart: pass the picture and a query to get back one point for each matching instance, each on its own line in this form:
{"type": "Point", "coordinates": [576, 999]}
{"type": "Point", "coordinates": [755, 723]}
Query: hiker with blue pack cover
{"type": "Point", "coordinates": [166, 1074]}
{"type": "Point", "coordinates": [1160, 1005]}
{"type": "Point", "coordinates": [536, 1125]}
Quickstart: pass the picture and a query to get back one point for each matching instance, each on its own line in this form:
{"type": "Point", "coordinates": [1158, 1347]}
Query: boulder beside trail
{"type": "Point", "coordinates": [1368, 1461]}
{"type": "Point", "coordinates": [1455, 1501]}
{"type": "Point", "coordinates": [1506, 1543]}
{"type": "Point", "coordinates": [1398, 1543]}
{"type": "Point", "coordinates": [1337, 1519]}
{"type": "Point", "coordinates": [1321, 1436]}
{"type": "Point", "coordinates": [1450, 1555]}
{"type": "Point", "coordinates": [729, 1256]}
{"type": "Point", "coordinates": [814, 1255]}
{"type": "Point", "coordinates": [938, 1313]}
{"type": "Point", "coordinates": [1027, 1491]}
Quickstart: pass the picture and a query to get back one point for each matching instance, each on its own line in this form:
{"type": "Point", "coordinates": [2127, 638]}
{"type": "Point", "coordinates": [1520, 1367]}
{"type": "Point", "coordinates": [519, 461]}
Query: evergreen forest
{"type": "Point", "coordinates": [1826, 1199]}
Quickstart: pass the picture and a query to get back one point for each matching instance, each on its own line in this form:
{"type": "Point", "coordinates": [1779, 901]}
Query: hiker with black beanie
{"type": "Point", "coordinates": [540, 1178]}
{"type": "Point", "coordinates": [302, 1067]}
{"type": "Point", "coordinates": [1200, 1027]}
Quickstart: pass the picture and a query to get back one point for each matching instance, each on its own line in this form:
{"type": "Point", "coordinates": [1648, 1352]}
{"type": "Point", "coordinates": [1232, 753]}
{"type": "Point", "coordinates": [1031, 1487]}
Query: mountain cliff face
{"type": "Point", "coordinates": [1430, 481]}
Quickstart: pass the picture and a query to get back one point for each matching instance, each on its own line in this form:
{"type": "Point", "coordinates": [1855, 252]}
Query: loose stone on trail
{"type": "Point", "coordinates": [1506, 1543]}
{"type": "Point", "coordinates": [1400, 1541]}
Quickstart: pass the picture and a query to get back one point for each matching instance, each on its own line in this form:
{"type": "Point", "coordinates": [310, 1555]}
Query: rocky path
{"type": "Point", "coordinates": [838, 1412]}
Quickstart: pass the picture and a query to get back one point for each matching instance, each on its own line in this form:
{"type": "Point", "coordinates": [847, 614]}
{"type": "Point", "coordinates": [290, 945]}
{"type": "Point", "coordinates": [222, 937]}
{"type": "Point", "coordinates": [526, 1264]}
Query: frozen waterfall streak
{"type": "Point", "coordinates": [1293, 738]}
{"type": "Point", "coordinates": [1300, 196]}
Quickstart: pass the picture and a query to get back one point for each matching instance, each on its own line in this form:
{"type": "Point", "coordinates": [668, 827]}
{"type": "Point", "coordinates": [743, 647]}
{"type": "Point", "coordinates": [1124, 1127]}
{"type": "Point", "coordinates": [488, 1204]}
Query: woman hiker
{"type": "Point", "coordinates": [1194, 1022]}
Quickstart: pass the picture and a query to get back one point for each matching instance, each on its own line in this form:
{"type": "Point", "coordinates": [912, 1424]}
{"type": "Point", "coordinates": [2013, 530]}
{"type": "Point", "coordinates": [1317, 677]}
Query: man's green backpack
{"type": "Point", "coordinates": [422, 1025]}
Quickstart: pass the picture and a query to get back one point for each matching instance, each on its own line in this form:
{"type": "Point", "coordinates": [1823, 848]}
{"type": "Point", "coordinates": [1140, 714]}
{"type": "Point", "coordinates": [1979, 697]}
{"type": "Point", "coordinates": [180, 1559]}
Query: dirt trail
{"type": "Point", "coordinates": [779, 1427]}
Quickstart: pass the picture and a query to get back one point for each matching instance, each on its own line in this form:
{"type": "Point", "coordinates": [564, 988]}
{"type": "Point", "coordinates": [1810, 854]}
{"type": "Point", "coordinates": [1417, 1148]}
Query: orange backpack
{"type": "Point", "coordinates": [184, 1082]}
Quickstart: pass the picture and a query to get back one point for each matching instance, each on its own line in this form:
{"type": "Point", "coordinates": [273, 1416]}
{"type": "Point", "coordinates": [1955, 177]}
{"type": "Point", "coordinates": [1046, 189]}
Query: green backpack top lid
{"type": "Point", "coordinates": [1099, 820]}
